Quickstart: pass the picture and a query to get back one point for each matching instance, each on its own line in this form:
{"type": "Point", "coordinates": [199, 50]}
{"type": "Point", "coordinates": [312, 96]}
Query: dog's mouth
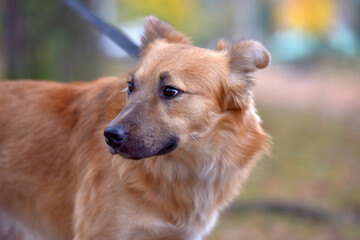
{"type": "Point", "coordinates": [171, 146]}
{"type": "Point", "coordinates": [136, 151]}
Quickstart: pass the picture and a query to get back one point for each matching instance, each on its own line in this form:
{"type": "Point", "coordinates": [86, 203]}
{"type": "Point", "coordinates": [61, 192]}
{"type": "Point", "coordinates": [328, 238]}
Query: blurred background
{"type": "Point", "coordinates": [309, 98]}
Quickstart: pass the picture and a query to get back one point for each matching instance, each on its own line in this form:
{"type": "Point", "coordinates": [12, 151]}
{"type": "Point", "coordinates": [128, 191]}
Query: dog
{"type": "Point", "coordinates": [181, 136]}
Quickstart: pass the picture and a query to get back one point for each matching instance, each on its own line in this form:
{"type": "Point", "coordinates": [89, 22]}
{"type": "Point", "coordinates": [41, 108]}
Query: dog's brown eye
{"type": "Point", "coordinates": [170, 92]}
{"type": "Point", "coordinates": [130, 87]}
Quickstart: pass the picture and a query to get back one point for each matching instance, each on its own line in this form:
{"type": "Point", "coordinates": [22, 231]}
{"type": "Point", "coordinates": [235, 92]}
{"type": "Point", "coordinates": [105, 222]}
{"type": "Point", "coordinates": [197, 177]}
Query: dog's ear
{"type": "Point", "coordinates": [158, 29]}
{"type": "Point", "coordinates": [244, 57]}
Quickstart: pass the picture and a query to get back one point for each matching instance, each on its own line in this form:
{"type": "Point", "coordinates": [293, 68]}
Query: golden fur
{"type": "Point", "coordinates": [59, 181]}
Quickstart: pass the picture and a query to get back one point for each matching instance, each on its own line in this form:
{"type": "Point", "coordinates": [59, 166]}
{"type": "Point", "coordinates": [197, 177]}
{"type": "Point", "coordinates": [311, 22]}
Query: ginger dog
{"type": "Point", "coordinates": [181, 135]}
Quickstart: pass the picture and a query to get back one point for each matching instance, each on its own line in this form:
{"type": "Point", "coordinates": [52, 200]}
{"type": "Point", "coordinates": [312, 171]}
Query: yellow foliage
{"type": "Point", "coordinates": [314, 16]}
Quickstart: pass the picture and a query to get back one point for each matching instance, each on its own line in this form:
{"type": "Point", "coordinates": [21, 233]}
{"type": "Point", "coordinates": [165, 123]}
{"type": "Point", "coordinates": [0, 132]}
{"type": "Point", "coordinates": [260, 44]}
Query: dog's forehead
{"type": "Point", "coordinates": [180, 59]}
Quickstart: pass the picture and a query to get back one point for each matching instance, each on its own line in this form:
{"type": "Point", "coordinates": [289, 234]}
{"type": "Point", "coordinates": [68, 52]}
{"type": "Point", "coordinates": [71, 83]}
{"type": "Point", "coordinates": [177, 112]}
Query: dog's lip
{"type": "Point", "coordinates": [124, 155]}
{"type": "Point", "coordinates": [127, 153]}
{"type": "Point", "coordinates": [169, 148]}
{"type": "Point", "coordinates": [112, 150]}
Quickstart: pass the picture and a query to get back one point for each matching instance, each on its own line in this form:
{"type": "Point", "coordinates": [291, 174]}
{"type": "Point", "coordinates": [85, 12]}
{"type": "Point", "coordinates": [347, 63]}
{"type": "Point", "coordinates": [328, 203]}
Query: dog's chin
{"type": "Point", "coordinates": [134, 153]}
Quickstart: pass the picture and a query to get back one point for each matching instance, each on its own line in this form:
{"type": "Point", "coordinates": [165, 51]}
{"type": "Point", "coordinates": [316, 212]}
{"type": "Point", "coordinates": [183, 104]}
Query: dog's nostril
{"type": "Point", "coordinates": [117, 138]}
{"type": "Point", "coordinates": [114, 136]}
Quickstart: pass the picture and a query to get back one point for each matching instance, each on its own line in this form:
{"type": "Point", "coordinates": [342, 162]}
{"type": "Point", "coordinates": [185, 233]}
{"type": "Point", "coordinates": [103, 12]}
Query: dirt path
{"type": "Point", "coordinates": [329, 92]}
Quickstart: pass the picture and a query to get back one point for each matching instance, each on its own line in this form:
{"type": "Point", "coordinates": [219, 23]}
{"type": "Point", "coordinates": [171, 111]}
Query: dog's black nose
{"type": "Point", "coordinates": [115, 136]}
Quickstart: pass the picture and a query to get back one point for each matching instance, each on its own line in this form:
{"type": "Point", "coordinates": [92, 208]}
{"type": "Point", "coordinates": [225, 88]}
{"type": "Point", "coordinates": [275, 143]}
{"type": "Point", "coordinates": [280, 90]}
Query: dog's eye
{"type": "Point", "coordinates": [170, 92]}
{"type": "Point", "coordinates": [130, 87]}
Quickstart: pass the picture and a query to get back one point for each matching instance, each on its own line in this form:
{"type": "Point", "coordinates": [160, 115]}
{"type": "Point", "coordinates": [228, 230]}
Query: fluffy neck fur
{"type": "Point", "coordinates": [188, 187]}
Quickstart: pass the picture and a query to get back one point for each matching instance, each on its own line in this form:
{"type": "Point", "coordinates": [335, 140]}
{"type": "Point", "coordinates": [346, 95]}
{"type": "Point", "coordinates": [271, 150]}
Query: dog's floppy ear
{"type": "Point", "coordinates": [244, 57]}
{"type": "Point", "coordinates": [158, 29]}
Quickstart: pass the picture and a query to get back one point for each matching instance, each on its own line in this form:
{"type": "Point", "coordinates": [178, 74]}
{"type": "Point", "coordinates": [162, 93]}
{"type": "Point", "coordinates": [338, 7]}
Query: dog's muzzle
{"type": "Point", "coordinates": [121, 142]}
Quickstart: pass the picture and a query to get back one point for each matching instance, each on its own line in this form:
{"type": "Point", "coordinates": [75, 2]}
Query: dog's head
{"type": "Point", "coordinates": [177, 90]}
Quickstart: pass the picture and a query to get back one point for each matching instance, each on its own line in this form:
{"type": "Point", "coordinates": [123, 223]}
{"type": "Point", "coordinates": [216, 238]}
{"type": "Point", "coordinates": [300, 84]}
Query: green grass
{"type": "Point", "coordinates": [273, 227]}
{"type": "Point", "coordinates": [315, 161]}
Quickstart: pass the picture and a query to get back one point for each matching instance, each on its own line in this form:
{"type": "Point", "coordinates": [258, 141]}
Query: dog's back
{"type": "Point", "coordinates": [47, 134]}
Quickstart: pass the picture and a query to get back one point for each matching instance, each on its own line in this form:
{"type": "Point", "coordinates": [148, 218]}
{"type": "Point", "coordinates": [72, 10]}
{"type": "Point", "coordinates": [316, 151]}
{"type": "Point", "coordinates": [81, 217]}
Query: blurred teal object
{"type": "Point", "coordinates": [292, 45]}
{"type": "Point", "coordinates": [344, 41]}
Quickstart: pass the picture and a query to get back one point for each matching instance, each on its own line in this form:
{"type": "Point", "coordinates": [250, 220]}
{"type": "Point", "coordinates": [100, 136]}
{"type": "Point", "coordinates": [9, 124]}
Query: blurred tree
{"type": "Point", "coordinates": [45, 40]}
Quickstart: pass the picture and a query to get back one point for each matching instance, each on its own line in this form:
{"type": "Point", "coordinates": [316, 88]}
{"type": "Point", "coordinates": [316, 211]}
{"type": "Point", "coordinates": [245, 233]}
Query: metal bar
{"type": "Point", "coordinates": [114, 34]}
